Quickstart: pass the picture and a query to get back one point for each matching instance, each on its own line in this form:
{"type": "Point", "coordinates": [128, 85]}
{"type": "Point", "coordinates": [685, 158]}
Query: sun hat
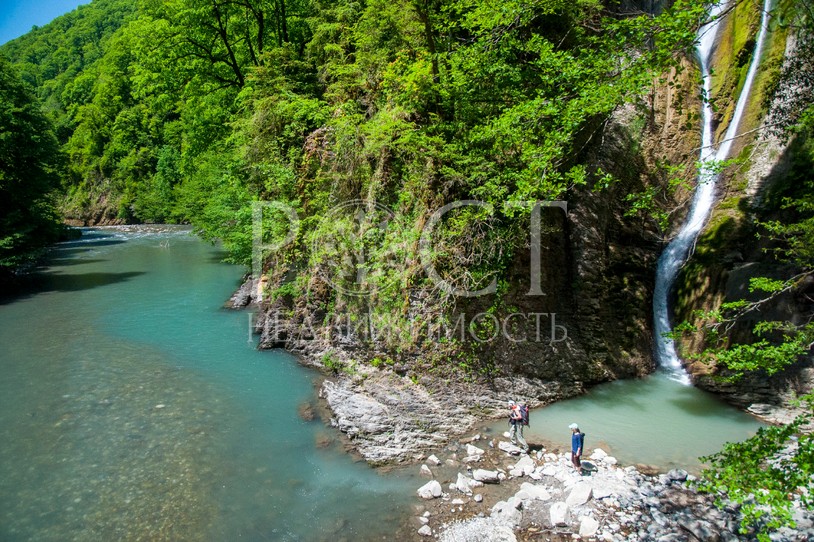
{"type": "Point", "coordinates": [511, 403]}
{"type": "Point", "coordinates": [573, 426]}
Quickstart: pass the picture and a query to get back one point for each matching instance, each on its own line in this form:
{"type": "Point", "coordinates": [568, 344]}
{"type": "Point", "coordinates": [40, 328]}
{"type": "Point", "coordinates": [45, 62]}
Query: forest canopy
{"type": "Point", "coordinates": [31, 166]}
{"type": "Point", "coordinates": [186, 111]}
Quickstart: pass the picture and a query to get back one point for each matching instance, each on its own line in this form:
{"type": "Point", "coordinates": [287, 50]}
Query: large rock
{"type": "Point", "coordinates": [677, 475]}
{"type": "Point", "coordinates": [430, 490]}
{"type": "Point", "coordinates": [474, 451]}
{"type": "Point", "coordinates": [425, 531]}
{"type": "Point", "coordinates": [580, 494]}
{"type": "Point", "coordinates": [601, 491]}
{"type": "Point", "coordinates": [588, 526]}
{"type": "Point", "coordinates": [508, 512]}
{"type": "Point", "coordinates": [559, 514]}
{"type": "Point", "coordinates": [535, 491]}
{"type": "Point", "coordinates": [486, 476]}
{"type": "Point", "coordinates": [526, 465]}
{"type": "Point", "coordinates": [701, 530]}
{"type": "Point", "coordinates": [356, 413]}
{"type": "Point", "coordinates": [509, 448]}
{"type": "Point", "coordinates": [479, 529]}
{"type": "Point", "coordinates": [463, 484]}
{"type": "Point", "coordinates": [599, 454]}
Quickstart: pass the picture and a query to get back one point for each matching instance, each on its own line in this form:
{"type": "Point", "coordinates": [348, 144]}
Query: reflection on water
{"type": "Point", "coordinates": [655, 421]}
{"type": "Point", "coordinates": [131, 406]}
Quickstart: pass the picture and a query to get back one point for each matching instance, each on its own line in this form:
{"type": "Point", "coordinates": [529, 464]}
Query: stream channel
{"type": "Point", "coordinates": [132, 406]}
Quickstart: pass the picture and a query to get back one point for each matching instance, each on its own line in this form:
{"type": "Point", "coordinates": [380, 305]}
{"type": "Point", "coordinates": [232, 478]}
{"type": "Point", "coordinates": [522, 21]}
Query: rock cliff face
{"type": "Point", "coordinates": [591, 324]}
{"type": "Point", "coordinates": [729, 252]}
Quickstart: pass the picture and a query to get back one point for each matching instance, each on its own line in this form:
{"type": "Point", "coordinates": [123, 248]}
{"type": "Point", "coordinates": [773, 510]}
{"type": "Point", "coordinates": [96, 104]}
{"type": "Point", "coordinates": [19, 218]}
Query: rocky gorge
{"type": "Point", "coordinates": [399, 405]}
{"type": "Point", "coordinates": [597, 277]}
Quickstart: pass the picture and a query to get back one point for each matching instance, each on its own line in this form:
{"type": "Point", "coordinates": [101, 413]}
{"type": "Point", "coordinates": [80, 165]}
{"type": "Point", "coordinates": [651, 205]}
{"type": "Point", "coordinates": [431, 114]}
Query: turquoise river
{"type": "Point", "coordinates": [133, 406]}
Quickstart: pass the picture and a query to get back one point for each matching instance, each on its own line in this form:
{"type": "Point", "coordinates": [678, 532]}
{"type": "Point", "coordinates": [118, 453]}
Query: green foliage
{"type": "Point", "coordinates": [335, 365]}
{"type": "Point", "coordinates": [764, 355]}
{"type": "Point", "coordinates": [30, 165]}
{"type": "Point", "coordinates": [765, 472]}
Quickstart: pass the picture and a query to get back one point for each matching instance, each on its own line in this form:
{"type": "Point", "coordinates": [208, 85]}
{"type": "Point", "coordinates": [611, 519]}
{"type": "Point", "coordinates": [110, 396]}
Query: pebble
{"type": "Point", "coordinates": [627, 505]}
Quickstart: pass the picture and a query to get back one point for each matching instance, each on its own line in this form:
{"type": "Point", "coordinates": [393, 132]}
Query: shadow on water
{"type": "Point", "coordinates": [30, 285]}
{"type": "Point", "coordinates": [703, 407]}
{"type": "Point", "coordinates": [77, 247]}
{"type": "Point", "coordinates": [620, 394]}
{"type": "Point", "coordinates": [65, 262]}
{"type": "Point", "coordinates": [218, 257]}
{"type": "Point", "coordinates": [58, 282]}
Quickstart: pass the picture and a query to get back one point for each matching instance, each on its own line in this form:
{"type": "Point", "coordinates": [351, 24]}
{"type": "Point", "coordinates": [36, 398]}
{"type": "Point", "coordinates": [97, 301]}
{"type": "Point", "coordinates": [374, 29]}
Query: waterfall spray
{"type": "Point", "coordinates": [678, 250]}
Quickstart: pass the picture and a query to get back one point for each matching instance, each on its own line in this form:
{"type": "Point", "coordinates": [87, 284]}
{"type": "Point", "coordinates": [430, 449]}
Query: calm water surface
{"type": "Point", "coordinates": [655, 421]}
{"type": "Point", "coordinates": [133, 406]}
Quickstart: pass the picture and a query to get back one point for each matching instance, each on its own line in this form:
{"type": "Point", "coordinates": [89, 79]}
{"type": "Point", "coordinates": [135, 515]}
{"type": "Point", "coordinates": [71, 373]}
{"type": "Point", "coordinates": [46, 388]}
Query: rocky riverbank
{"type": "Point", "coordinates": [393, 419]}
{"type": "Point", "coordinates": [489, 491]}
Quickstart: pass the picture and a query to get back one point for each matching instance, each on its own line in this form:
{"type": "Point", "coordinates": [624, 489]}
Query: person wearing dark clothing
{"type": "Point", "coordinates": [576, 446]}
{"type": "Point", "coordinates": [516, 426]}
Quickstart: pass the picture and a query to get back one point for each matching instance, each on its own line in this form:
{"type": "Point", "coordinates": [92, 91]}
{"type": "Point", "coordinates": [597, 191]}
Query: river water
{"type": "Point", "coordinates": [656, 421]}
{"type": "Point", "coordinates": [133, 407]}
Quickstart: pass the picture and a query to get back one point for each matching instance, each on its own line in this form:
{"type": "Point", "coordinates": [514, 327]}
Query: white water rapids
{"type": "Point", "coordinates": [677, 251]}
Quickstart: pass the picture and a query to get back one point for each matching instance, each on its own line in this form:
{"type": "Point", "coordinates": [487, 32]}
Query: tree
{"type": "Point", "coordinates": [30, 169]}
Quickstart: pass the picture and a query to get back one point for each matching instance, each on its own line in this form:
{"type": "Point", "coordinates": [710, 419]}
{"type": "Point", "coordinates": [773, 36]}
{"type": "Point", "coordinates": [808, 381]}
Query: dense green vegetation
{"type": "Point", "coordinates": [191, 110]}
{"type": "Point", "coordinates": [186, 111]}
{"type": "Point", "coordinates": [756, 336]}
{"type": "Point", "coordinates": [30, 171]}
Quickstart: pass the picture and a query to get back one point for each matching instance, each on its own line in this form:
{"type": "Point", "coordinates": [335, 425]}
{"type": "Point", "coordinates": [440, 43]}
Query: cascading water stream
{"type": "Point", "coordinates": [677, 251]}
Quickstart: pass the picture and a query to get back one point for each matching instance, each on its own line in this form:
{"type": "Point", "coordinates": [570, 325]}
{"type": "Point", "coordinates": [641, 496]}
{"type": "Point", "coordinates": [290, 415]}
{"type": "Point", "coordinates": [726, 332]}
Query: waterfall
{"type": "Point", "coordinates": [677, 251]}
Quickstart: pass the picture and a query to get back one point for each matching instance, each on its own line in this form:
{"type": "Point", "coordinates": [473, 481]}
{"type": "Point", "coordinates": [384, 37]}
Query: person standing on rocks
{"type": "Point", "coordinates": [516, 423]}
{"type": "Point", "coordinates": [577, 441]}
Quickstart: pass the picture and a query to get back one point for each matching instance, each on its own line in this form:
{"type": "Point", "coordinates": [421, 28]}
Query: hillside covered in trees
{"type": "Point", "coordinates": [187, 111]}
{"type": "Point", "coordinates": [193, 111]}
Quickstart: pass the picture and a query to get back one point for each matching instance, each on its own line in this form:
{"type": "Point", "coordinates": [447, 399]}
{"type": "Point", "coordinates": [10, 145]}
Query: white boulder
{"type": "Point", "coordinates": [580, 494]}
{"type": "Point", "coordinates": [524, 463]}
{"type": "Point", "coordinates": [599, 454]}
{"type": "Point", "coordinates": [474, 450]}
{"type": "Point", "coordinates": [559, 514]}
{"type": "Point", "coordinates": [588, 526]}
{"type": "Point", "coordinates": [430, 490]}
{"type": "Point", "coordinates": [486, 476]}
{"type": "Point", "coordinates": [535, 492]}
{"type": "Point", "coordinates": [509, 448]}
{"type": "Point", "coordinates": [463, 485]}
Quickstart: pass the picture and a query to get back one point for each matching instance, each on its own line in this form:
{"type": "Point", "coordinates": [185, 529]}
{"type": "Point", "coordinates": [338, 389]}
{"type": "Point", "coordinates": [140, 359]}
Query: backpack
{"type": "Point", "coordinates": [524, 412]}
